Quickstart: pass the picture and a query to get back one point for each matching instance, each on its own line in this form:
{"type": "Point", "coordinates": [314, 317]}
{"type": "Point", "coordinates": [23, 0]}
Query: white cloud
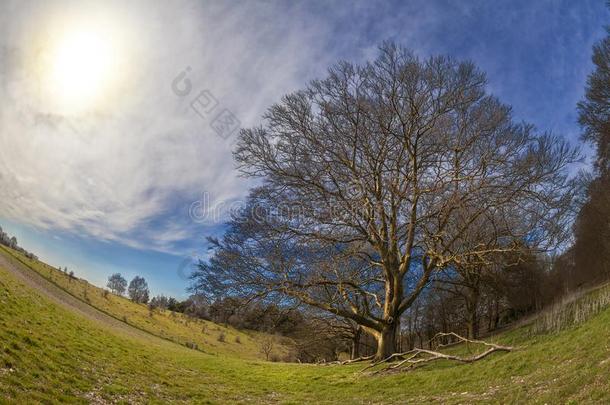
{"type": "Point", "coordinates": [129, 170]}
{"type": "Point", "coordinates": [124, 171]}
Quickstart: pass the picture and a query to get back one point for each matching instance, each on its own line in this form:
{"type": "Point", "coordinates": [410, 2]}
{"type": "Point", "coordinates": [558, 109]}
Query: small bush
{"type": "Point", "coordinates": [221, 337]}
{"type": "Point", "coordinates": [290, 358]}
{"type": "Point", "coordinates": [237, 339]}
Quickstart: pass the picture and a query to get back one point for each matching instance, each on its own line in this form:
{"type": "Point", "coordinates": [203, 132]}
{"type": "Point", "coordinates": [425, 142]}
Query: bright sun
{"type": "Point", "coordinates": [81, 66]}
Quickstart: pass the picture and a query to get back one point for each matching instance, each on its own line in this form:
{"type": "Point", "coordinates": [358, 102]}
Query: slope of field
{"type": "Point", "coordinates": [166, 324]}
{"type": "Point", "coordinates": [50, 352]}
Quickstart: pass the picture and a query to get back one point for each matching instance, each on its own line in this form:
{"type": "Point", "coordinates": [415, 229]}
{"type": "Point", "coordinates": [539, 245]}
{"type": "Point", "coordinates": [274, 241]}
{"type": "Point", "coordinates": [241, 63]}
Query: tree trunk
{"type": "Point", "coordinates": [496, 315]}
{"type": "Point", "coordinates": [490, 314]}
{"type": "Point", "coordinates": [356, 343]}
{"type": "Point", "coordinates": [473, 326]}
{"type": "Point", "coordinates": [472, 306]}
{"type": "Point", "coordinates": [386, 341]}
{"type": "Point", "coordinates": [398, 347]}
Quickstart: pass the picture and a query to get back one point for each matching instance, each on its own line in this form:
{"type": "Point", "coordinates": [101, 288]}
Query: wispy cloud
{"type": "Point", "coordinates": [129, 172]}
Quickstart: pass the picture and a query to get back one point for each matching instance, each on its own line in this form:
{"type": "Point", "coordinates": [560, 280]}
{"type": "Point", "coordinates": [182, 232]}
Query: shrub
{"type": "Point", "coordinates": [192, 345]}
{"type": "Point", "coordinates": [221, 337]}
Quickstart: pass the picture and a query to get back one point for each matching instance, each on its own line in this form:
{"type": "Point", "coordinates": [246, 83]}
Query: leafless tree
{"type": "Point", "coordinates": [373, 177]}
{"type": "Point", "coordinates": [267, 346]}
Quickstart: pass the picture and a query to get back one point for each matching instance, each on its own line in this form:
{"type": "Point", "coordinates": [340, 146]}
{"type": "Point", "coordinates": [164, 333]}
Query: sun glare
{"type": "Point", "coordinates": [81, 66]}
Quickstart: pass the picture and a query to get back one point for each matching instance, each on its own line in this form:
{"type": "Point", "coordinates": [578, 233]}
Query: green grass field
{"type": "Point", "coordinates": [49, 354]}
{"type": "Point", "coordinates": [172, 326]}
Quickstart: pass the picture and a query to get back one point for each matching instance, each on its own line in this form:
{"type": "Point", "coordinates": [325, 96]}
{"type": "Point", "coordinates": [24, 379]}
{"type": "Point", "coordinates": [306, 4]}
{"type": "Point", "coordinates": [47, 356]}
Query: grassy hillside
{"type": "Point", "coordinates": [166, 324]}
{"type": "Point", "coordinates": [48, 353]}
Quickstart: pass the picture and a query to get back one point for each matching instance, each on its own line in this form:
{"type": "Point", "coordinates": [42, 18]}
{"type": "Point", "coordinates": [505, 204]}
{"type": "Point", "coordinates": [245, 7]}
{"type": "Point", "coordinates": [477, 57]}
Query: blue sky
{"type": "Point", "coordinates": [110, 188]}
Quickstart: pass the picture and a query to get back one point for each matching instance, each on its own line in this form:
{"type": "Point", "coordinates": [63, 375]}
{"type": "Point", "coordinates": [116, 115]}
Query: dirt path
{"type": "Point", "coordinates": [35, 281]}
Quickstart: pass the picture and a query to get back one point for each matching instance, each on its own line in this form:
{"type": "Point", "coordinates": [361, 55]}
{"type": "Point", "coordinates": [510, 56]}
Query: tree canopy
{"type": "Point", "coordinates": [378, 176]}
{"type": "Point", "coordinates": [138, 290]}
{"type": "Point", "coordinates": [117, 284]}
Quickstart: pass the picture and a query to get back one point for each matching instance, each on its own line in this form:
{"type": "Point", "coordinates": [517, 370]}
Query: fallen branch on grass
{"type": "Point", "coordinates": [418, 356]}
{"type": "Point", "coordinates": [351, 361]}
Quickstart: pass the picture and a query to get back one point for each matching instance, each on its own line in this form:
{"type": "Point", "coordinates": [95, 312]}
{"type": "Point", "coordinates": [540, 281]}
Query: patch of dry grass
{"type": "Point", "coordinates": [573, 309]}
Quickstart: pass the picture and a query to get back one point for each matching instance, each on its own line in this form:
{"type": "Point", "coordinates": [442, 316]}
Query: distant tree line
{"type": "Point", "coordinates": [312, 338]}
{"type": "Point", "coordinates": [589, 258]}
{"type": "Point", "coordinates": [587, 261]}
{"type": "Point", "coordinates": [11, 241]}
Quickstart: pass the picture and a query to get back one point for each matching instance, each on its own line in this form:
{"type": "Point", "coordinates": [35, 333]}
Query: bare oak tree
{"type": "Point", "coordinates": [372, 179]}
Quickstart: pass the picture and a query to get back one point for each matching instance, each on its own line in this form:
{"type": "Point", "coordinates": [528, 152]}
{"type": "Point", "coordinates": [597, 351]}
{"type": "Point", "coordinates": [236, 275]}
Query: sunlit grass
{"type": "Point", "coordinates": [48, 354]}
{"type": "Point", "coordinates": [176, 327]}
